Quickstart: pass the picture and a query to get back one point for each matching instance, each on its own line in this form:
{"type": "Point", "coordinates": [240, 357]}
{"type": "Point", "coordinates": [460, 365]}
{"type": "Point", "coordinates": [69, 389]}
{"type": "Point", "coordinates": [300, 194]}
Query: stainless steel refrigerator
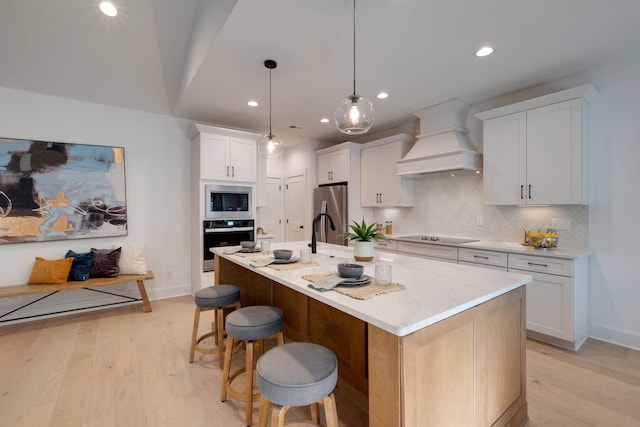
{"type": "Point", "coordinates": [331, 199]}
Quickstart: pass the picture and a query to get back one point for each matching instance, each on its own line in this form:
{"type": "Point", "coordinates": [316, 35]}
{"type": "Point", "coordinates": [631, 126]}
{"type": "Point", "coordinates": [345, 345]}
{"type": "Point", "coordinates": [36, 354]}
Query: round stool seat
{"type": "Point", "coordinates": [254, 322]}
{"type": "Point", "coordinates": [297, 374]}
{"type": "Point", "coordinates": [217, 296]}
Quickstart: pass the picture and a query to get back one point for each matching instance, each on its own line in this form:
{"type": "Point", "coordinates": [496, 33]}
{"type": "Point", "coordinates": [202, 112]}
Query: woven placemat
{"type": "Point", "coordinates": [367, 291]}
{"type": "Point", "coordinates": [292, 266]}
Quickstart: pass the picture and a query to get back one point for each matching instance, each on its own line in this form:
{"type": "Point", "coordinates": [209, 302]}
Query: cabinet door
{"type": "Point", "coordinates": [390, 185]}
{"type": "Point", "coordinates": [340, 170]}
{"type": "Point", "coordinates": [554, 154]}
{"type": "Point", "coordinates": [504, 172]}
{"type": "Point", "coordinates": [550, 304]}
{"type": "Point", "coordinates": [242, 159]}
{"type": "Point", "coordinates": [369, 177]}
{"type": "Point", "coordinates": [214, 157]}
{"type": "Point", "coordinates": [324, 164]}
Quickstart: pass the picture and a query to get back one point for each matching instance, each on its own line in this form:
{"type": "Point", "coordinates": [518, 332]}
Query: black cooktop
{"type": "Point", "coordinates": [437, 239]}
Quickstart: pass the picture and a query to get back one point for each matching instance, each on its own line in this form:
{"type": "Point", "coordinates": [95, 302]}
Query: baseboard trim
{"type": "Point", "coordinates": [615, 336]}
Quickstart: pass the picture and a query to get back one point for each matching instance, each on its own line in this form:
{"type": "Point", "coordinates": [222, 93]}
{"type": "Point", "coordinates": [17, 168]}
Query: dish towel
{"type": "Point", "coordinates": [262, 262]}
{"type": "Point", "coordinates": [327, 283]}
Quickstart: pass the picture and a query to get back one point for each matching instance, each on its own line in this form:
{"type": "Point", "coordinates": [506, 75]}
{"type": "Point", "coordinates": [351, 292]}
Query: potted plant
{"type": "Point", "coordinates": [364, 235]}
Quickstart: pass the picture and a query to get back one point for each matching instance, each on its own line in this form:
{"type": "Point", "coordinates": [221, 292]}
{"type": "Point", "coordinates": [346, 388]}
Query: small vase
{"type": "Point", "coordinates": [363, 251]}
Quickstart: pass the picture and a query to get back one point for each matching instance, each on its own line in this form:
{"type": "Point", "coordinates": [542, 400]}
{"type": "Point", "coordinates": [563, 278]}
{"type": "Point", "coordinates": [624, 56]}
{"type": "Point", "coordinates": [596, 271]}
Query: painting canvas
{"type": "Point", "coordinates": [56, 191]}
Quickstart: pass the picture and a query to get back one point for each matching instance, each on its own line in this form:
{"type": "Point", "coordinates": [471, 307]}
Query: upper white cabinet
{"type": "Point", "coordinates": [339, 164]}
{"type": "Point", "coordinates": [224, 157]}
{"type": "Point", "coordinates": [380, 186]}
{"type": "Point", "coordinates": [333, 167]}
{"type": "Point", "coordinates": [536, 151]}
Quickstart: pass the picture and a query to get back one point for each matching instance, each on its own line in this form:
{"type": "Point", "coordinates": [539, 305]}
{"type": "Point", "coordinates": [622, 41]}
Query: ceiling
{"type": "Point", "coordinates": [203, 59]}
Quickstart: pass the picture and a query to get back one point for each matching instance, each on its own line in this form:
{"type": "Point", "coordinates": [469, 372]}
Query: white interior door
{"type": "Point", "coordinates": [295, 202]}
{"type": "Point", "coordinates": [272, 214]}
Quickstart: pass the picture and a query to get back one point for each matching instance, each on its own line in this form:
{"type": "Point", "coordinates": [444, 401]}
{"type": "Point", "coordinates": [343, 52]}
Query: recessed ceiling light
{"type": "Point", "coordinates": [108, 8]}
{"type": "Point", "coordinates": [484, 51]}
{"type": "Point", "coordinates": [324, 120]}
{"type": "Point", "coordinates": [252, 103]}
{"type": "Point", "coordinates": [382, 95]}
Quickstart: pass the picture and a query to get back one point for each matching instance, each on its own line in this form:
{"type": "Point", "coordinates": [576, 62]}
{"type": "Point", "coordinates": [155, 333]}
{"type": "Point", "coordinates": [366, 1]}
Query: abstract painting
{"type": "Point", "coordinates": [57, 191]}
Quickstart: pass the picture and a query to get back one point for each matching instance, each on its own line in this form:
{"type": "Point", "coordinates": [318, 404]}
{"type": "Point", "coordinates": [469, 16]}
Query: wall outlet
{"type": "Point", "coordinates": [561, 224]}
{"type": "Point", "coordinates": [479, 221]}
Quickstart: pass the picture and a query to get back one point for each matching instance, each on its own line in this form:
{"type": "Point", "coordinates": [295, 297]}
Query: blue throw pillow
{"type": "Point", "coordinates": [81, 267]}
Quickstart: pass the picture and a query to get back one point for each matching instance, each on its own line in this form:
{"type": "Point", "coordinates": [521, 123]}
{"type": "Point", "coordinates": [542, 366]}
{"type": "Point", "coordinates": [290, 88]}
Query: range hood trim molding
{"type": "Point", "coordinates": [443, 144]}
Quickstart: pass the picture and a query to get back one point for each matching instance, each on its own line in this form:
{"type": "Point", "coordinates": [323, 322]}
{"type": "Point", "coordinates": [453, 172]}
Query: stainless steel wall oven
{"type": "Point", "coordinates": [224, 232]}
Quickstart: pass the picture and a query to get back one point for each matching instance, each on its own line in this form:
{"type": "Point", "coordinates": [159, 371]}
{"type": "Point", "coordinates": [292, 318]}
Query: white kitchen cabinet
{"type": "Point", "coordinates": [483, 258]}
{"type": "Point", "coordinates": [223, 154]}
{"type": "Point", "coordinates": [228, 159]}
{"type": "Point", "coordinates": [386, 245]}
{"type": "Point", "coordinates": [535, 151]}
{"type": "Point", "coordinates": [430, 251]}
{"type": "Point", "coordinates": [333, 167]}
{"type": "Point", "coordinates": [380, 186]}
{"type": "Point", "coordinates": [556, 298]}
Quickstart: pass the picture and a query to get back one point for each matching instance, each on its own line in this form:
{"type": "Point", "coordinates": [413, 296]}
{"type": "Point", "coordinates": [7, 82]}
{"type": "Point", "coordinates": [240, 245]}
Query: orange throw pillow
{"type": "Point", "coordinates": [50, 271]}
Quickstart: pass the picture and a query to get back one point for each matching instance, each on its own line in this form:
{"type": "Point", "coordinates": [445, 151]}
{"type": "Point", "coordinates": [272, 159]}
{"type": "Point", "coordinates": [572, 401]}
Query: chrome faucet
{"type": "Point", "coordinates": [313, 229]}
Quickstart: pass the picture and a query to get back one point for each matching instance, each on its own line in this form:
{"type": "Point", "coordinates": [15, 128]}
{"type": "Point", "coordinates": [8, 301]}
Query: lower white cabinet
{"type": "Point", "coordinates": [483, 258]}
{"type": "Point", "coordinates": [556, 298]}
{"type": "Point", "coordinates": [386, 245]}
{"type": "Point", "coordinates": [426, 250]}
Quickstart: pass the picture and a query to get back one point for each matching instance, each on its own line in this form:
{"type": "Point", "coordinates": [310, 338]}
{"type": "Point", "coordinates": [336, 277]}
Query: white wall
{"type": "Point", "coordinates": [157, 161]}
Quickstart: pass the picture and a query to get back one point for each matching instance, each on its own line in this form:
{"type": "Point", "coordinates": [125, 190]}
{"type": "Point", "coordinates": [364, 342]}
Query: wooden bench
{"type": "Point", "coordinates": [20, 290]}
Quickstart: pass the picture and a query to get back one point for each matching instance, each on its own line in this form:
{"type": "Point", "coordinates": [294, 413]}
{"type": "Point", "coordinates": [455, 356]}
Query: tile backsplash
{"type": "Point", "coordinates": [451, 206]}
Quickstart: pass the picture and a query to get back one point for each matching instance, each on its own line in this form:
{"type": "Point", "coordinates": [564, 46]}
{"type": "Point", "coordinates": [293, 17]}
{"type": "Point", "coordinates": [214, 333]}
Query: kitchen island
{"type": "Point", "coordinates": [449, 349]}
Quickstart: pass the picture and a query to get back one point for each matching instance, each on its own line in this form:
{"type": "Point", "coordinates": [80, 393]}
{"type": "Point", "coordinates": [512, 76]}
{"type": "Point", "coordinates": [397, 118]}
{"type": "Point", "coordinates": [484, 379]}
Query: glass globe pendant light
{"type": "Point", "coordinates": [268, 145]}
{"type": "Point", "coordinates": [354, 116]}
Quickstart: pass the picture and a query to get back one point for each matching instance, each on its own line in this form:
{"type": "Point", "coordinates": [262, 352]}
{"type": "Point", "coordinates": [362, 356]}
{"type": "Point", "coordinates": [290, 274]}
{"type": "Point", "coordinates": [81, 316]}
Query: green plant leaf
{"type": "Point", "coordinates": [363, 232]}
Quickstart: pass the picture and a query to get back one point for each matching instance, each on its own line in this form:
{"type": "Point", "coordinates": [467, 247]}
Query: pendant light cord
{"type": "Point", "coordinates": [354, 47]}
{"type": "Point", "coordinates": [270, 101]}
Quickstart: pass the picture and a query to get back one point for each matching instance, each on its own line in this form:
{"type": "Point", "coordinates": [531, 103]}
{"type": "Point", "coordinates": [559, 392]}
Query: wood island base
{"type": "Point", "coordinates": [466, 370]}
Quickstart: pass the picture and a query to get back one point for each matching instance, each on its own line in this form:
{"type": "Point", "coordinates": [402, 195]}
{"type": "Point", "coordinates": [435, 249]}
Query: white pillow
{"type": "Point", "coordinates": [133, 258]}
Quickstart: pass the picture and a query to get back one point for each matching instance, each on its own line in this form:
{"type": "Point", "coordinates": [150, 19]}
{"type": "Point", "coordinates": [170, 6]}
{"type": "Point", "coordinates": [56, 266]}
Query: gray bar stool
{"type": "Point", "coordinates": [297, 374]}
{"type": "Point", "coordinates": [248, 324]}
{"type": "Point", "coordinates": [218, 298]}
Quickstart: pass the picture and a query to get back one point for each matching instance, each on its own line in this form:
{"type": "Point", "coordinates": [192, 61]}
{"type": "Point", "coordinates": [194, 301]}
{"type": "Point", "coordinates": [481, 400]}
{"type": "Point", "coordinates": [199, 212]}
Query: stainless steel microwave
{"type": "Point", "coordinates": [228, 202]}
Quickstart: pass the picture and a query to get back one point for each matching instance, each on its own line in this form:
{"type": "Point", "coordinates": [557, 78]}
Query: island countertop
{"type": "Point", "coordinates": [434, 290]}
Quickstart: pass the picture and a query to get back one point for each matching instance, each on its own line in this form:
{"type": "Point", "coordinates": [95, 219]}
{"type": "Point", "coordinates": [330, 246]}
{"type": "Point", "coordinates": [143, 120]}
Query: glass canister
{"type": "Point", "coordinates": [388, 227]}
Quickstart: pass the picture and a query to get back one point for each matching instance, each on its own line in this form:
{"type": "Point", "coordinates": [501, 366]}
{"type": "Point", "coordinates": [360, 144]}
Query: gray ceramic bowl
{"type": "Point", "coordinates": [282, 253]}
{"type": "Point", "coordinates": [350, 271]}
{"type": "Point", "coordinates": [248, 245]}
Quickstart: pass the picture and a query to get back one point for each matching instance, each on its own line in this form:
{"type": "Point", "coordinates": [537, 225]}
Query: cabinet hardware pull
{"type": "Point", "coordinates": [538, 265]}
{"type": "Point", "coordinates": [233, 171]}
{"type": "Point", "coordinates": [302, 226]}
{"type": "Point", "coordinates": [481, 257]}
{"type": "Point", "coordinates": [529, 191]}
{"type": "Point", "coordinates": [227, 170]}
{"type": "Point", "coordinates": [380, 197]}
{"type": "Point", "coordinates": [521, 190]}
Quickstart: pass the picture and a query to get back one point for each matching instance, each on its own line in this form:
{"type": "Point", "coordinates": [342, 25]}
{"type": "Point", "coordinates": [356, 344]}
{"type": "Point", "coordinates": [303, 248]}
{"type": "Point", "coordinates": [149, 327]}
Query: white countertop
{"type": "Point", "coordinates": [434, 290]}
{"type": "Point", "coordinates": [509, 247]}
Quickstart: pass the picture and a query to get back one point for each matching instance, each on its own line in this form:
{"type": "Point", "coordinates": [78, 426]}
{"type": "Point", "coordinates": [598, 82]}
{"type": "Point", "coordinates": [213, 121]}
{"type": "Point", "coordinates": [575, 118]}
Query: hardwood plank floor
{"type": "Point", "coordinates": [123, 367]}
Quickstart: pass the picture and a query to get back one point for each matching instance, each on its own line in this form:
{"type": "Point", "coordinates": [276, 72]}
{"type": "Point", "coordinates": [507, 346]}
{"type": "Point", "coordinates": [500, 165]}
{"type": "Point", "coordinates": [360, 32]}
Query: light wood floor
{"type": "Point", "coordinates": [123, 367]}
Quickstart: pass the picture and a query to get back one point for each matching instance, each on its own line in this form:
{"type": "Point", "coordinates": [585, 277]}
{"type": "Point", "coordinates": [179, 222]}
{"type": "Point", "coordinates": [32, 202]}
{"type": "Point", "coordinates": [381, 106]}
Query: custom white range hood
{"type": "Point", "coordinates": [443, 144]}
